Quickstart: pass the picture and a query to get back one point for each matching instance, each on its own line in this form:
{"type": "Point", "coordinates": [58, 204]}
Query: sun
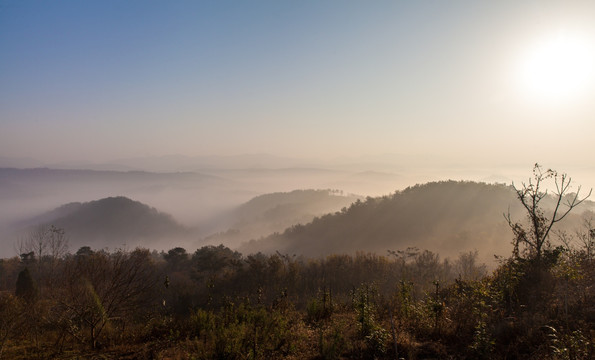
{"type": "Point", "coordinates": [557, 69]}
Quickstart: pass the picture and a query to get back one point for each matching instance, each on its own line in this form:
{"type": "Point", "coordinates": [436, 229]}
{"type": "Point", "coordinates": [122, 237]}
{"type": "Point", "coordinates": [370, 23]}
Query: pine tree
{"type": "Point", "coordinates": [25, 287]}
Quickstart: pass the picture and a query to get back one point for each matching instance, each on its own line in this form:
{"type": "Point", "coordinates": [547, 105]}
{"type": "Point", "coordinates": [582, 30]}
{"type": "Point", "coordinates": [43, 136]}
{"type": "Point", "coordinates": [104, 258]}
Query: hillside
{"type": "Point", "coordinates": [27, 192]}
{"type": "Point", "coordinates": [446, 217]}
{"type": "Point", "coordinates": [111, 222]}
{"type": "Point", "coordinates": [275, 212]}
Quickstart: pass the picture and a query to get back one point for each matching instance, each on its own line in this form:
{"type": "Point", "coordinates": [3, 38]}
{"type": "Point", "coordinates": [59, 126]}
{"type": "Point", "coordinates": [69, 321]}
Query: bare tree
{"type": "Point", "coordinates": [43, 241]}
{"type": "Point", "coordinates": [100, 287]}
{"type": "Point", "coordinates": [534, 237]}
{"type": "Point", "coordinates": [57, 242]}
{"type": "Point", "coordinates": [586, 237]}
{"type": "Point", "coordinates": [31, 245]}
{"type": "Point", "coordinates": [468, 268]}
{"type": "Point", "coordinates": [44, 245]}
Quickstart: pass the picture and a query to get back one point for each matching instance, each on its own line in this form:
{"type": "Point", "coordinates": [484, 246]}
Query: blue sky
{"type": "Point", "coordinates": [101, 80]}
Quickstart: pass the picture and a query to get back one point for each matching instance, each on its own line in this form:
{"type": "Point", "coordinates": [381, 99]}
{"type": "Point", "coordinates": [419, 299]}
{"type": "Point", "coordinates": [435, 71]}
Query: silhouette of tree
{"type": "Point", "coordinates": [176, 258]}
{"type": "Point", "coordinates": [210, 261]}
{"type": "Point", "coordinates": [25, 287]}
{"type": "Point", "coordinates": [100, 287]}
{"type": "Point", "coordinates": [534, 238]}
{"type": "Point", "coordinates": [84, 251]}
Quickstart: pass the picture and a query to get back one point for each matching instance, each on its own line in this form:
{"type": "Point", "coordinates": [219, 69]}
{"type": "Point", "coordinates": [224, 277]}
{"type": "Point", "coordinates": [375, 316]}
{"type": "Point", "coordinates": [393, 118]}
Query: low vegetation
{"type": "Point", "coordinates": [216, 303]}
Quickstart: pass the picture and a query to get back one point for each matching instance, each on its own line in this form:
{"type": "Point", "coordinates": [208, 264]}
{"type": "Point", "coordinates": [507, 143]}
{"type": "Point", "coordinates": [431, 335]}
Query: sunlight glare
{"type": "Point", "coordinates": [558, 69]}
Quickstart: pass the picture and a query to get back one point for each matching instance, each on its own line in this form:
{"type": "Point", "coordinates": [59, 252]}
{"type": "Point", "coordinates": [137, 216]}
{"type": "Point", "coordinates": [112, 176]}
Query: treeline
{"type": "Point", "coordinates": [218, 303]}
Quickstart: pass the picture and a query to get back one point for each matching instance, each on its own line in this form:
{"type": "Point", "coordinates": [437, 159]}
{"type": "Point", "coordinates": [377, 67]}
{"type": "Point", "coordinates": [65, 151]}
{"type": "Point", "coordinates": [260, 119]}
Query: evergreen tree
{"type": "Point", "coordinates": [25, 287]}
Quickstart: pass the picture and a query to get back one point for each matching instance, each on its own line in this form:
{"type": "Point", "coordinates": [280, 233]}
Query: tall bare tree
{"type": "Point", "coordinates": [100, 287]}
{"type": "Point", "coordinates": [44, 245]}
{"type": "Point", "coordinates": [43, 241]}
{"type": "Point", "coordinates": [532, 240]}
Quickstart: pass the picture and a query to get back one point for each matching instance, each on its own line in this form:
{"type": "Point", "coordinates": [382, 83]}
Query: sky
{"type": "Point", "coordinates": [466, 80]}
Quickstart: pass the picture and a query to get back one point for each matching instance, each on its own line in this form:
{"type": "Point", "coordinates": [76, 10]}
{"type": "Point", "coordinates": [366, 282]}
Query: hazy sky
{"type": "Point", "coordinates": [100, 80]}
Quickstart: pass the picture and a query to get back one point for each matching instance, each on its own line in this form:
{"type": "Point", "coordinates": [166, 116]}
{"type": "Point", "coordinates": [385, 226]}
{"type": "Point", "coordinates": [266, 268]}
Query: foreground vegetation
{"type": "Point", "coordinates": [216, 303]}
{"type": "Point", "coordinates": [219, 304]}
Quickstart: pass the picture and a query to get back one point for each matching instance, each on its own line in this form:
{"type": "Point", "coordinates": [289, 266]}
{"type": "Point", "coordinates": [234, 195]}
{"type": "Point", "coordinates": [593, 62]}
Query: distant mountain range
{"type": "Point", "coordinates": [174, 163]}
{"type": "Point", "coordinates": [446, 217]}
{"type": "Point", "coordinates": [233, 208]}
{"type": "Point", "coordinates": [195, 199]}
{"type": "Point", "coordinates": [114, 221]}
{"type": "Point", "coordinates": [23, 183]}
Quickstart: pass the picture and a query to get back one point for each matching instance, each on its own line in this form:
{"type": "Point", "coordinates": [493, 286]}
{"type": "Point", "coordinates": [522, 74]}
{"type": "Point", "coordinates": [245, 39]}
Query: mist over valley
{"type": "Point", "coordinates": [264, 209]}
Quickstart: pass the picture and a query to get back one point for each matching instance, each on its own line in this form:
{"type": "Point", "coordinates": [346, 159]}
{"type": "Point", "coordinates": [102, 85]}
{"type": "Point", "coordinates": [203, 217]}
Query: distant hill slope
{"type": "Point", "coordinates": [111, 222]}
{"type": "Point", "coordinates": [270, 213]}
{"type": "Point", "coordinates": [447, 217]}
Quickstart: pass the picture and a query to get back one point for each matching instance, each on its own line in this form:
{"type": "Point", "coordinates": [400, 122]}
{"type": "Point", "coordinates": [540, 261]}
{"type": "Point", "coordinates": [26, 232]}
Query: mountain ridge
{"type": "Point", "coordinates": [274, 212]}
{"type": "Point", "coordinates": [447, 217]}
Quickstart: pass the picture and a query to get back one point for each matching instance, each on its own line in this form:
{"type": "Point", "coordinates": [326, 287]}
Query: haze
{"type": "Point", "coordinates": [364, 97]}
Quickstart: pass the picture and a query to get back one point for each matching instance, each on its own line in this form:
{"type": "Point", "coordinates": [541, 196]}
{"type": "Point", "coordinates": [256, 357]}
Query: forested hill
{"type": "Point", "coordinates": [275, 212]}
{"type": "Point", "coordinates": [446, 217]}
{"type": "Point", "coordinates": [111, 222]}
